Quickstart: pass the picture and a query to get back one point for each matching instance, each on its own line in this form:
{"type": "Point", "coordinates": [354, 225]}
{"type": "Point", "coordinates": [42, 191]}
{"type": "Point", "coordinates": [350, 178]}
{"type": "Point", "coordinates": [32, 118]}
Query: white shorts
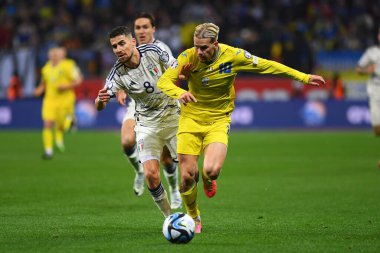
{"type": "Point", "coordinates": [151, 141]}
{"type": "Point", "coordinates": [131, 110]}
{"type": "Point", "coordinates": [374, 108]}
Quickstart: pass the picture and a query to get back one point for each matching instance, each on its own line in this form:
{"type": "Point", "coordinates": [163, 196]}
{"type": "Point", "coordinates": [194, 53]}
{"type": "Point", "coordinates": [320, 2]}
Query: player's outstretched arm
{"type": "Point", "coordinates": [370, 69]}
{"type": "Point", "coordinates": [316, 80]}
{"type": "Point", "coordinates": [102, 99]}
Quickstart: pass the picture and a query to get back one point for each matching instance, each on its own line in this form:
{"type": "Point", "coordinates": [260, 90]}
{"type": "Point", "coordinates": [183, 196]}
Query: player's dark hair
{"type": "Point", "coordinates": [120, 30]}
{"type": "Point", "coordinates": [146, 15]}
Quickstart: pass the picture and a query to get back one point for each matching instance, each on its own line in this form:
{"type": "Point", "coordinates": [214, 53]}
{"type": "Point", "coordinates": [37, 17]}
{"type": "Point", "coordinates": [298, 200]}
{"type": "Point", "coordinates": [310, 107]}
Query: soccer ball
{"type": "Point", "coordinates": [178, 228]}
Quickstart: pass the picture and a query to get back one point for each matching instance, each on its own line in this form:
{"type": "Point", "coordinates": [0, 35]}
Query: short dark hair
{"type": "Point", "coordinates": [120, 30]}
{"type": "Point", "coordinates": [145, 15]}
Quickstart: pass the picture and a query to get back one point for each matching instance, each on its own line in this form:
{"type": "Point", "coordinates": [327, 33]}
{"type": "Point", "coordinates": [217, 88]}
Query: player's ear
{"type": "Point", "coordinates": [133, 40]}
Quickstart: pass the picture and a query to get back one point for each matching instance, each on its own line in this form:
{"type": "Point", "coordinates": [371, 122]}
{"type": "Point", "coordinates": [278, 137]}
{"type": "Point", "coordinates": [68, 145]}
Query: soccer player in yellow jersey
{"type": "Point", "coordinates": [210, 68]}
{"type": "Point", "coordinates": [59, 77]}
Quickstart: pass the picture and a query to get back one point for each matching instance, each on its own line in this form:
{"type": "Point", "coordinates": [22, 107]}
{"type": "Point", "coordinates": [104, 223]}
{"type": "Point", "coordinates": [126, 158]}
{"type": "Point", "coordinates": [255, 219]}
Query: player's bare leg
{"type": "Point", "coordinates": [152, 175]}
{"type": "Point", "coordinates": [171, 175]}
{"type": "Point", "coordinates": [128, 143]}
{"type": "Point", "coordinates": [214, 156]}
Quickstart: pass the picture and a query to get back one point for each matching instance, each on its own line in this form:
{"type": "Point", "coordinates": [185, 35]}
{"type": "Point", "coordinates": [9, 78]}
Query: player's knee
{"type": "Point", "coordinates": [212, 170]}
{"type": "Point", "coordinates": [153, 178]}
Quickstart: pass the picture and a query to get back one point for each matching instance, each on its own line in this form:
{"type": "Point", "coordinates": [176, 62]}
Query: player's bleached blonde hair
{"type": "Point", "coordinates": [207, 30]}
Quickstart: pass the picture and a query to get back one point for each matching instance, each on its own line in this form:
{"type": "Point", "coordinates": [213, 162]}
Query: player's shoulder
{"type": "Point", "coordinates": [149, 48]}
{"type": "Point", "coordinates": [116, 69]}
{"type": "Point", "coordinates": [227, 49]}
{"type": "Point", "coordinates": [161, 45]}
{"type": "Point", "coordinates": [373, 49]}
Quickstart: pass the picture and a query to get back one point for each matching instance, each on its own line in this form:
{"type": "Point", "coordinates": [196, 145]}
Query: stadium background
{"type": "Point", "coordinates": [282, 189]}
{"type": "Point", "coordinates": [323, 37]}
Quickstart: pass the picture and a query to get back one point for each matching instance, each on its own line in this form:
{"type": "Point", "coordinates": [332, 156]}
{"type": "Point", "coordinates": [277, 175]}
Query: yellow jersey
{"type": "Point", "coordinates": [63, 73]}
{"type": "Point", "coordinates": [212, 84]}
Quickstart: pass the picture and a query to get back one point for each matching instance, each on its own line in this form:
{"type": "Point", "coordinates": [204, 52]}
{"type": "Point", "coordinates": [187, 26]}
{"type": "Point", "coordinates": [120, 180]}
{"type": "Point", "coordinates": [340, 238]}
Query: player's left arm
{"type": "Point", "coordinates": [247, 62]}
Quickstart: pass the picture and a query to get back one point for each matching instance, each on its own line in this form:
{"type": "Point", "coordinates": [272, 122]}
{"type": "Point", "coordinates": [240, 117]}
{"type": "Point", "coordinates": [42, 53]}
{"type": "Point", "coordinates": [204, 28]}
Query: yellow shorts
{"type": "Point", "coordinates": [55, 111]}
{"type": "Point", "coordinates": [193, 136]}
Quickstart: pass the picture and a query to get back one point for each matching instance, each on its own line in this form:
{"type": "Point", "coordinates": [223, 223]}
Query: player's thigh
{"type": "Point", "coordinates": [49, 110]}
{"type": "Point", "coordinates": [214, 155]}
{"type": "Point", "coordinates": [149, 145]}
{"type": "Point", "coordinates": [189, 137]}
{"type": "Point", "coordinates": [169, 134]}
{"type": "Point", "coordinates": [128, 135]}
{"type": "Point", "coordinates": [217, 132]}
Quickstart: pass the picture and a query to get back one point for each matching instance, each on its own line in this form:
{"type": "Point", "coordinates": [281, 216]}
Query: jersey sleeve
{"type": "Point", "coordinates": [167, 81]}
{"type": "Point", "coordinates": [365, 59]}
{"type": "Point", "coordinates": [245, 61]}
{"type": "Point", "coordinates": [113, 83]}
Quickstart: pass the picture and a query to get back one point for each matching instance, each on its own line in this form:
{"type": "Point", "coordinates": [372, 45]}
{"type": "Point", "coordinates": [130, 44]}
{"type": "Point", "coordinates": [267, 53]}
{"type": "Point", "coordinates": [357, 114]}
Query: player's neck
{"type": "Point", "coordinates": [216, 55]}
{"type": "Point", "coordinates": [134, 61]}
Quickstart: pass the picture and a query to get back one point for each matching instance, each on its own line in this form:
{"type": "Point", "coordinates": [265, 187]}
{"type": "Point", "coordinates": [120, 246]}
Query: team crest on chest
{"type": "Point", "coordinates": [205, 81]}
{"type": "Point", "coordinates": [153, 70]}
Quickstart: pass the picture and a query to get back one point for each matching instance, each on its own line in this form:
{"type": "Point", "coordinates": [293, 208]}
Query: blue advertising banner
{"type": "Point", "coordinates": [300, 114]}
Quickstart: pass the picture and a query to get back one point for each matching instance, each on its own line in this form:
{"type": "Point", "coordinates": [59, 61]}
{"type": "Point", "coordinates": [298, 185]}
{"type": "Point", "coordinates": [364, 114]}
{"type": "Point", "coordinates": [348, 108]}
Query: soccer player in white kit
{"type": "Point", "coordinates": [136, 72]}
{"type": "Point", "coordinates": [369, 63]}
{"type": "Point", "coordinates": [144, 28]}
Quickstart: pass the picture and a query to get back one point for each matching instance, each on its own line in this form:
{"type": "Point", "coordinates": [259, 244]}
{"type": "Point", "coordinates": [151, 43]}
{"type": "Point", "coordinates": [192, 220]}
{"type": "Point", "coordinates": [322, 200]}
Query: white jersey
{"type": "Point", "coordinates": [131, 107]}
{"type": "Point", "coordinates": [153, 107]}
{"type": "Point", "coordinates": [372, 56]}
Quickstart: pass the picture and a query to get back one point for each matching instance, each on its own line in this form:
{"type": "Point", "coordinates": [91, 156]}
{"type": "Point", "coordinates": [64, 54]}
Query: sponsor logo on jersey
{"type": "Point", "coordinates": [247, 55]}
{"type": "Point", "coordinates": [204, 81]}
{"type": "Point", "coordinates": [164, 56]}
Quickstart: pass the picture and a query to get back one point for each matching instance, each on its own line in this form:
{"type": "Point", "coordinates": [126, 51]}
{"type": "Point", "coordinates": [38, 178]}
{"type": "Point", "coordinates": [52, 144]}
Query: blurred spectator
{"type": "Point", "coordinates": [337, 90]}
{"type": "Point", "coordinates": [272, 29]}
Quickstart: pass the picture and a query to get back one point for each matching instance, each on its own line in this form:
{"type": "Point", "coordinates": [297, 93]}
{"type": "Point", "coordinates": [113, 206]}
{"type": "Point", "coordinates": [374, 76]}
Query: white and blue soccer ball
{"type": "Point", "coordinates": [178, 228]}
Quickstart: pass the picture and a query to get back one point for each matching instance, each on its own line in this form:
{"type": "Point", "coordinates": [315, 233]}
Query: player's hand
{"type": "Point", "coordinates": [121, 97]}
{"type": "Point", "coordinates": [103, 95]}
{"type": "Point", "coordinates": [187, 97]}
{"type": "Point", "coordinates": [185, 71]}
{"type": "Point", "coordinates": [63, 87]}
{"type": "Point", "coordinates": [316, 80]}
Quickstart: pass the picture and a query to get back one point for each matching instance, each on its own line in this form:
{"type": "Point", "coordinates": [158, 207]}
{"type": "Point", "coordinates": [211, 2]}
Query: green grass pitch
{"type": "Point", "coordinates": [278, 192]}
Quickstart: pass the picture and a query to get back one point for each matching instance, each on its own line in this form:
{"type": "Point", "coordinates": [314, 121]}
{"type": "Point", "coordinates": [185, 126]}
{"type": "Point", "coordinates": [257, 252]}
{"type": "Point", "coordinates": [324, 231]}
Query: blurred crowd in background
{"type": "Point", "coordinates": [288, 31]}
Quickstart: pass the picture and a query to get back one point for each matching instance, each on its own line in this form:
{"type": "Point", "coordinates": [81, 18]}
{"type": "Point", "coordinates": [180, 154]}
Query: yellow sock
{"type": "Point", "coordinates": [190, 201]}
{"type": "Point", "coordinates": [67, 123]}
{"type": "Point", "coordinates": [47, 138]}
{"type": "Point", "coordinates": [58, 136]}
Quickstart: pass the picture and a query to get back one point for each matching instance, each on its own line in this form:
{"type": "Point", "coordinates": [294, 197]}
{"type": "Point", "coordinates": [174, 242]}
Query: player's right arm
{"type": "Point", "coordinates": [365, 65]}
{"type": "Point", "coordinates": [40, 89]}
{"type": "Point", "coordinates": [102, 99]}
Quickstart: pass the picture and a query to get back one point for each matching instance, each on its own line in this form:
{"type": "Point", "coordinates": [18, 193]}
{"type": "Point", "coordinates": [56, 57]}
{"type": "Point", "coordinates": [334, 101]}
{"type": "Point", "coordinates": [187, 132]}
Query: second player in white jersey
{"type": "Point", "coordinates": [141, 85]}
